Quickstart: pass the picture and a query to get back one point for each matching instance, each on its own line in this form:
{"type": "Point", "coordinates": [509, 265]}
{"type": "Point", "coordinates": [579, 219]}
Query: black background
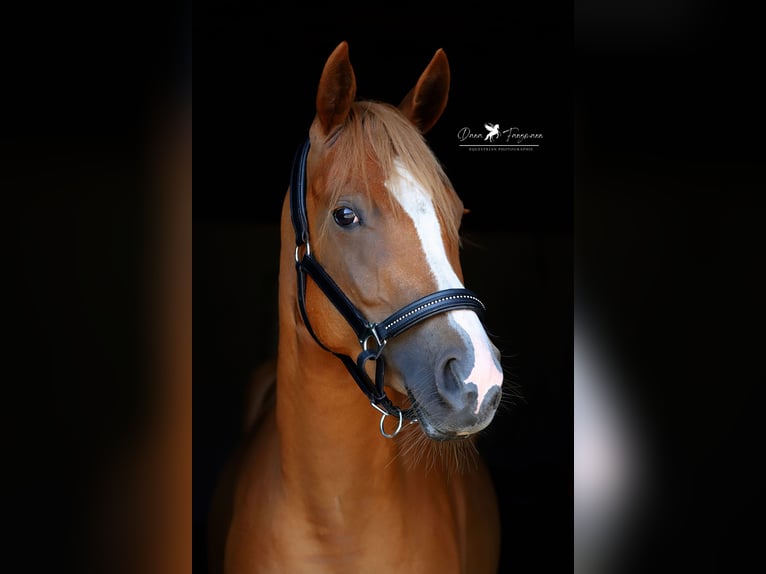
{"type": "Point", "coordinates": [669, 260]}
{"type": "Point", "coordinates": [93, 97]}
{"type": "Point", "coordinates": [514, 70]}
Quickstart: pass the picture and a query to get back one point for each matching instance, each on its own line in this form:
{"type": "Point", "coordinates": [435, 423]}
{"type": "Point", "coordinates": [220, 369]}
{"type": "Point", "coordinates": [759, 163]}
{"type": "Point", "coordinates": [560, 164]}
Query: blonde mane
{"type": "Point", "coordinates": [379, 131]}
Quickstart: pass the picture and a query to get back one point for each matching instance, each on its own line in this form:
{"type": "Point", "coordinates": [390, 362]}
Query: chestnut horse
{"type": "Point", "coordinates": [371, 298]}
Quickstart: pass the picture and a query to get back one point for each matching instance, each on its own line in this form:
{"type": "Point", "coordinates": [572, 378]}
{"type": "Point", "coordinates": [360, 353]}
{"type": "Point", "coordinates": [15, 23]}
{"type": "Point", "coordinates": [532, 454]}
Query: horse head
{"type": "Point", "coordinates": [385, 225]}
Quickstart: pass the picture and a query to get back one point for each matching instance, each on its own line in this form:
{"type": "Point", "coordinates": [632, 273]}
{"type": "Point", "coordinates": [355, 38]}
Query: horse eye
{"type": "Point", "coordinates": [345, 216]}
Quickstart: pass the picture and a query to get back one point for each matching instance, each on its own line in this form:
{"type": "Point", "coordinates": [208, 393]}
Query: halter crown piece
{"type": "Point", "coordinates": [406, 317]}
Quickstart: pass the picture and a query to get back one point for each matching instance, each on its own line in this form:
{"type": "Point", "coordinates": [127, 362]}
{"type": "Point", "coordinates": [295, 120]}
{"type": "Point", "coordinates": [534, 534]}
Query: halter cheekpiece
{"type": "Point", "coordinates": [372, 336]}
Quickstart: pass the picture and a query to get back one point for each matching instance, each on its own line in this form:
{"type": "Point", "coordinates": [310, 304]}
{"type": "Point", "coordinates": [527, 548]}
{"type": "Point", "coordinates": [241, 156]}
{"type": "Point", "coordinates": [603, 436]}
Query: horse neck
{"type": "Point", "coordinates": [329, 442]}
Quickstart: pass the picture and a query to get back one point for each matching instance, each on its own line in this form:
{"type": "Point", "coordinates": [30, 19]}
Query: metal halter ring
{"type": "Point", "coordinates": [374, 335]}
{"type": "Point", "coordinates": [298, 248]}
{"type": "Point", "coordinates": [383, 418]}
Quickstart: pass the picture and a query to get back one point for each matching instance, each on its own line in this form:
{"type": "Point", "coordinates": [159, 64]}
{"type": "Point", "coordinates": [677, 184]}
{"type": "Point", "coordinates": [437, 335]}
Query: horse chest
{"type": "Point", "coordinates": [425, 525]}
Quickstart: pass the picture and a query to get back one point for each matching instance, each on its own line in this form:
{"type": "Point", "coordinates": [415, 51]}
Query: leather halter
{"type": "Point", "coordinates": [398, 322]}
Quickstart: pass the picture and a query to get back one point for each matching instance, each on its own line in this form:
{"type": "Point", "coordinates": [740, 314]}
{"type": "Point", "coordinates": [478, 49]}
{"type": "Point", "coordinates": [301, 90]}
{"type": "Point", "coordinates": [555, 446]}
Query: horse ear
{"type": "Point", "coordinates": [426, 101]}
{"type": "Point", "coordinates": [337, 89]}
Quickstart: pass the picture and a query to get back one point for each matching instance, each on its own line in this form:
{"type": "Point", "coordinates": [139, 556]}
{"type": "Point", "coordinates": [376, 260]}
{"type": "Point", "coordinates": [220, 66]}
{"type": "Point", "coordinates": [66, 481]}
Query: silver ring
{"type": "Point", "coordinates": [379, 343]}
{"type": "Point", "coordinates": [298, 248]}
{"type": "Point", "coordinates": [398, 427]}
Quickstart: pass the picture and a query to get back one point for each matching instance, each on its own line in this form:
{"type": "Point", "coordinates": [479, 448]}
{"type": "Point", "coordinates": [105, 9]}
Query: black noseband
{"type": "Point", "coordinates": [380, 333]}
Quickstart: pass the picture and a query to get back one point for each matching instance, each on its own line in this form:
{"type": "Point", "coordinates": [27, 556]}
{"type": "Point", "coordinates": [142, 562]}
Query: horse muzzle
{"type": "Point", "coordinates": [451, 397]}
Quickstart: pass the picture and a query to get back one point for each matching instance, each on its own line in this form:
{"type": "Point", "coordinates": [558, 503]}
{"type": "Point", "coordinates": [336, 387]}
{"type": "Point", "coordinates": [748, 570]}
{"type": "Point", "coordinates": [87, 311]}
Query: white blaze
{"type": "Point", "coordinates": [413, 199]}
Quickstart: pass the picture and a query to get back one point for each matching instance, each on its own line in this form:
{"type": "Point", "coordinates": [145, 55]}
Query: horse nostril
{"type": "Point", "coordinates": [452, 386]}
{"type": "Point", "coordinates": [451, 379]}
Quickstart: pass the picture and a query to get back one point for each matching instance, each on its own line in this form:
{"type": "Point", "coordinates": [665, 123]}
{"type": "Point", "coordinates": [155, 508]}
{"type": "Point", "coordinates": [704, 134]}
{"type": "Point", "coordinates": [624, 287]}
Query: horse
{"type": "Point", "coordinates": [494, 131]}
{"type": "Point", "coordinates": [371, 298]}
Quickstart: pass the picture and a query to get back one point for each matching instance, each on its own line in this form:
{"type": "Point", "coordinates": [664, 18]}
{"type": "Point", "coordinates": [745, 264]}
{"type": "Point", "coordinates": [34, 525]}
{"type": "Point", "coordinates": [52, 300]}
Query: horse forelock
{"type": "Point", "coordinates": [377, 140]}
